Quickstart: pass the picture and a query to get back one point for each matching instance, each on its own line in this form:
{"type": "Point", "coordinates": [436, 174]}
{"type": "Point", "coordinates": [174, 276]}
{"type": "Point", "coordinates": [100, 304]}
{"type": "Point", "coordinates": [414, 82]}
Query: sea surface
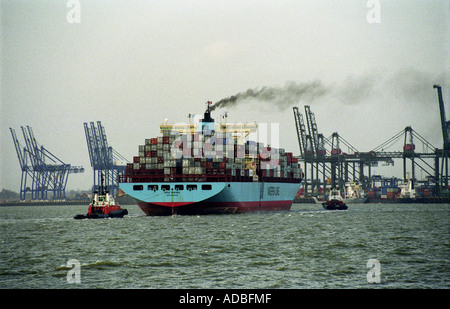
{"type": "Point", "coordinates": [367, 246]}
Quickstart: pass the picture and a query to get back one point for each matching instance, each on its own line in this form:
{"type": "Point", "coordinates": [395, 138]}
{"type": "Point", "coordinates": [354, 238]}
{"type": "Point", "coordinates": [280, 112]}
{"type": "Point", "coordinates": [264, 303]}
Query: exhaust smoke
{"type": "Point", "coordinates": [283, 97]}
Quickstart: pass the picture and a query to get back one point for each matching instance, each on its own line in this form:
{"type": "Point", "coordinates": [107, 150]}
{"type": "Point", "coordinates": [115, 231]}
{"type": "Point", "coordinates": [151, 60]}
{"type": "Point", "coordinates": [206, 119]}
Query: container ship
{"type": "Point", "coordinates": [210, 168]}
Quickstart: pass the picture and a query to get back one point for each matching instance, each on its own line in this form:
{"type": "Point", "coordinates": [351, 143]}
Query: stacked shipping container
{"type": "Point", "coordinates": [220, 157]}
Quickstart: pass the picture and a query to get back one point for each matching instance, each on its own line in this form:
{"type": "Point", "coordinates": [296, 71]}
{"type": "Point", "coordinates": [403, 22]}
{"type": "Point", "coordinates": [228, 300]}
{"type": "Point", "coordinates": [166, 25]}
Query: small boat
{"type": "Point", "coordinates": [103, 205]}
{"type": "Point", "coordinates": [335, 201]}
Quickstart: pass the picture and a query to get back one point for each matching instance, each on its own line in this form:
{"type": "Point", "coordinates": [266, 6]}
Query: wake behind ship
{"type": "Point", "coordinates": [210, 168]}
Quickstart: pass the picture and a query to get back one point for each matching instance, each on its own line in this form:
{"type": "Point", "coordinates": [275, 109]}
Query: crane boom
{"type": "Point", "coordinates": [444, 124]}
{"type": "Point", "coordinates": [301, 131]}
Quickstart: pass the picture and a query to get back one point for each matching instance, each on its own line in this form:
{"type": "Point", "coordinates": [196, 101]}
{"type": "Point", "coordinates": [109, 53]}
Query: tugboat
{"type": "Point", "coordinates": [103, 205]}
{"type": "Point", "coordinates": [334, 201]}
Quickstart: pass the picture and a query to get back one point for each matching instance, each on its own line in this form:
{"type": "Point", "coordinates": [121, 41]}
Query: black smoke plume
{"type": "Point", "coordinates": [406, 85]}
{"type": "Point", "coordinates": [283, 97]}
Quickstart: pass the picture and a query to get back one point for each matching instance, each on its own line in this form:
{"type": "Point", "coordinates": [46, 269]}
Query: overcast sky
{"type": "Point", "coordinates": [130, 64]}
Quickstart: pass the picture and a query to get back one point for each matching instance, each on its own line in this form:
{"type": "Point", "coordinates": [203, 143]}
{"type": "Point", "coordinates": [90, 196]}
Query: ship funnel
{"type": "Point", "coordinates": [207, 123]}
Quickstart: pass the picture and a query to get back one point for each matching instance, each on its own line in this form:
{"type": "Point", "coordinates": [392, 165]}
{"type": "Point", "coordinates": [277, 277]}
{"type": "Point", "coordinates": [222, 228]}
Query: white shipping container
{"type": "Point", "coordinates": [196, 152]}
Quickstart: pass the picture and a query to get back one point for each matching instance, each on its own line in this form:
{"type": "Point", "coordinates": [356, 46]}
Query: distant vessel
{"type": "Point", "coordinates": [407, 193]}
{"type": "Point", "coordinates": [103, 205]}
{"type": "Point", "coordinates": [353, 194]}
{"type": "Point", "coordinates": [209, 169]}
{"type": "Point", "coordinates": [335, 201]}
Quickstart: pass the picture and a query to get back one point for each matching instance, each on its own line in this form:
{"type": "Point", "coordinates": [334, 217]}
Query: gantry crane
{"type": "Point", "coordinates": [105, 161]}
{"type": "Point", "coordinates": [46, 172]}
{"type": "Point", "coordinates": [445, 125]}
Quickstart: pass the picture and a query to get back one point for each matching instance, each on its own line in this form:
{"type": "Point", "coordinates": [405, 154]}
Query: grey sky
{"type": "Point", "coordinates": [131, 64]}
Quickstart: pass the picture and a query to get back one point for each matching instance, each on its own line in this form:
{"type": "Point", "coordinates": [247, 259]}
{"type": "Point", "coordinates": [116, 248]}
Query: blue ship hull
{"type": "Point", "coordinates": [184, 198]}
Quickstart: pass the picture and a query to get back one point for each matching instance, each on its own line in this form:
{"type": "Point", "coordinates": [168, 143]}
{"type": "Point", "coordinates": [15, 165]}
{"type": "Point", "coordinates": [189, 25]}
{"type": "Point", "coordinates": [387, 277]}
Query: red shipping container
{"type": "Point", "coordinates": [165, 140]}
{"type": "Point", "coordinates": [154, 141]}
{"type": "Point", "coordinates": [335, 151]}
{"type": "Point", "coordinates": [409, 147]}
{"type": "Point", "coordinates": [136, 159]}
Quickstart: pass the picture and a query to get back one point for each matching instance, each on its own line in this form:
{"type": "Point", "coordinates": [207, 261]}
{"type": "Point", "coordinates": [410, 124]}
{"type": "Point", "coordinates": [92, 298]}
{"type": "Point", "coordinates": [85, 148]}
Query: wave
{"type": "Point", "coordinates": [96, 264]}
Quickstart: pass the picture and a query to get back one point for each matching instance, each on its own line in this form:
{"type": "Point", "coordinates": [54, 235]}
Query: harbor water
{"type": "Point", "coordinates": [367, 246]}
